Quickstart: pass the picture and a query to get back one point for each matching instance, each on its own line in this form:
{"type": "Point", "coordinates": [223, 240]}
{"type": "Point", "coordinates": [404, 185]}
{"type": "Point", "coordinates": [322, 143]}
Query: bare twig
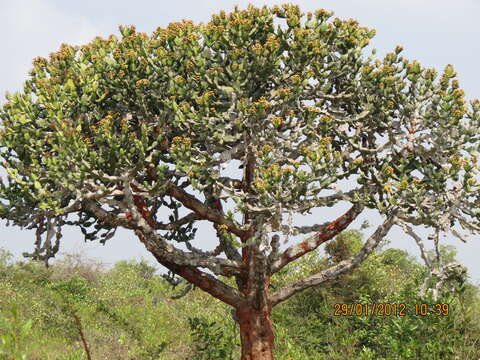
{"type": "Point", "coordinates": [79, 326]}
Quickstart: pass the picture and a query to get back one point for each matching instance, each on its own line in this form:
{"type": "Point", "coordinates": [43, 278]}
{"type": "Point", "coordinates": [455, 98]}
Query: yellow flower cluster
{"type": "Point", "coordinates": [306, 151]}
{"type": "Point", "coordinates": [185, 106]}
{"type": "Point", "coordinates": [189, 65]}
{"type": "Point", "coordinates": [64, 52]}
{"type": "Point", "coordinates": [277, 121]}
{"type": "Point", "coordinates": [179, 139]}
{"type": "Point", "coordinates": [192, 37]}
{"type": "Point", "coordinates": [264, 102]}
{"type": "Point", "coordinates": [326, 140]}
{"type": "Point", "coordinates": [353, 40]}
{"type": "Point", "coordinates": [141, 82]}
{"type": "Point", "coordinates": [117, 54]}
{"type": "Point", "coordinates": [267, 148]}
{"type": "Point", "coordinates": [214, 70]}
{"type": "Point", "coordinates": [40, 62]}
{"type": "Point", "coordinates": [458, 93]}
{"type": "Point", "coordinates": [296, 78]}
{"type": "Point", "coordinates": [274, 170]}
{"type": "Point", "coordinates": [223, 227]}
{"type": "Point", "coordinates": [132, 53]}
{"type": "Point", "coordinates": [310, 73]}
{"type": "Point", "coordinates": [205, 97]}
{"type": "Point", "coordinates": [301, 32]}
{"type": "Point", "coordinates": [185, 25]}
{"type": "Point", "coordinates": [388, 170]}
{"type": "Point", "coordinates": [388, 70]}
{"type": "Point", "coordinates": [272, 42]}
{"type": "Point", "coordinates": [106, 121]}
{"type": "Point", "coordinates": [322, 13]}
{"type": "Point", "coordinates": [283, 92]}
{"type": "Point", "coordinates": [358, 161]}
{"type": "Point", "coordinates": [326, 119]}
{"type": "Point", "coordinates": [212, 27]}
{"type": "Point", "coordinates": [314, 110]}
{"type": "Point", "coordinates": [316, 46]}
{"type": "Point", "coordinates": [456, 160]}
{"type": "Point", "coordinates": [459, 113]}
{"type": "Point", "coordinates": [238, 51]}
{"type": "Point", "coordinates": [257, 48]}
{"type": "Point", "coordinates": [239, 21]}
{"type": "Point", "coordinates": [260, 185]}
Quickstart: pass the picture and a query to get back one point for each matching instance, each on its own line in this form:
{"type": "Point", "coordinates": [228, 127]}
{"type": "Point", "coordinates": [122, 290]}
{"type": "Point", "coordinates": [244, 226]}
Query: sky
{"type": "Point", "coordinates": [434, 32]}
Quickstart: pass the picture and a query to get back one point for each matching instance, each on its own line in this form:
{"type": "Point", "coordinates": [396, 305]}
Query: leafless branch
{"type": "Point", "coordinates": [418, 240]}
{"type": "Point", "coordinates": [325, 232]}
{"type": "Point", "coordinates": [160, 246]}
{"type": "Point", "coordinates": [342, 267]}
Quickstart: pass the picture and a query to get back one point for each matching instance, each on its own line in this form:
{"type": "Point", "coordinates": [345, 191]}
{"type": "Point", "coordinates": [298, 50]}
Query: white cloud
{"type": "Point", "coordinates": [34, 28]}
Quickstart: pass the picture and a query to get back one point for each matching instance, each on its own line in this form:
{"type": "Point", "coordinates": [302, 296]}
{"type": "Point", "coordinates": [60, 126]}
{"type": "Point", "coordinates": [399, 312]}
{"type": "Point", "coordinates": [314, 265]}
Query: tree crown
{"type": "Point", "coordinates": [292, 96]}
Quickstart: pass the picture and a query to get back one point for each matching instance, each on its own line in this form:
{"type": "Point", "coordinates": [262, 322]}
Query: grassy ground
{"type": "Point", "coordinates": [127, 313]}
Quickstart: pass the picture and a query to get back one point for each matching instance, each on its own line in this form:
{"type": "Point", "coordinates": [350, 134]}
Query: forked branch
{"type": "Point", "coordinates": [326, 232]}
{"type": "Point", "coordinates": [342, 267]}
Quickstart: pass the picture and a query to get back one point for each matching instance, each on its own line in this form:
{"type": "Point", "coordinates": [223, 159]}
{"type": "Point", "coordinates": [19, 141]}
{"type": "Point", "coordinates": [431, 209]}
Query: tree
{"type": "Point", "coordinates": [112, 130]}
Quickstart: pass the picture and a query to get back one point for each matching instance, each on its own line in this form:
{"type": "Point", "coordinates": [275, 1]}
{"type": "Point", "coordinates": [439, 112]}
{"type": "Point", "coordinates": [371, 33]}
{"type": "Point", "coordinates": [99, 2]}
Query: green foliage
{"type": "Point", "coordinates": [142, 268]}
{"type": "Point", "coordinates": [212, 340]}
{"type": "Point", "coordinates": [14, 336]}
{"type": "Point", "coordinates": [306, 94]}
{"type": "Point", "coordinates": [125, 314]}
{"type": "Point", "coordinates": [345, 245]}
{"type": "Point", "coordinates": [306, 326]}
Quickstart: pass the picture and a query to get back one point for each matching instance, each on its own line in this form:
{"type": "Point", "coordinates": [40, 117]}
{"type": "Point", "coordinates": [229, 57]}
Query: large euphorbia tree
{"type": "Point", "coordinates": [111, 130]}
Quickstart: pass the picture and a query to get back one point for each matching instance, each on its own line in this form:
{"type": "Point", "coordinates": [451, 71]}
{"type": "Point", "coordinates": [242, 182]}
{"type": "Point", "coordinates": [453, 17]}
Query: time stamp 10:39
{"type": "Point", "coordinates": [391, 309]}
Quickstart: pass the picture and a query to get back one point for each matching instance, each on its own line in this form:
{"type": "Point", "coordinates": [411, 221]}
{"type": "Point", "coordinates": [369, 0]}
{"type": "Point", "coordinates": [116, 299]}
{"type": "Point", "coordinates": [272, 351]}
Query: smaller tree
{"type": "Point", "coordinates": [345, 245]}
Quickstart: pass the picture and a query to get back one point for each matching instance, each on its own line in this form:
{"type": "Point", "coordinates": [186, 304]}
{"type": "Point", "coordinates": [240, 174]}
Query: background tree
{"type": "Point", "coordinates": [119, 130]}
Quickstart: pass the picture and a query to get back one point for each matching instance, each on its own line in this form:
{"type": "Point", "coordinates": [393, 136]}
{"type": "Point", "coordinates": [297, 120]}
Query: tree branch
{"type": "Point", "coordinates": [340, 268]}
{"type": "Point", "coordinates": [162, 248]}
{"type": "Point", "coordinates": [224, 242]}
{"type": "Point", "coordinates": [176, 224]}
{"type": "Point", "coordinates": [328, 200]}
{"type": "Point", "coordinates": [325, 232]}
{"type": "Point", "coordinates": [206, 282]}
{"type": "Point", "coordinates": [418, 240]}
{"type": "Point", "coordinates": [201, 209]}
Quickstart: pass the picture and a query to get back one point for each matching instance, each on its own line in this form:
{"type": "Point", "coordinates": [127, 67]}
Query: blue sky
{"type": "Point", "coordinates": [435, 32]}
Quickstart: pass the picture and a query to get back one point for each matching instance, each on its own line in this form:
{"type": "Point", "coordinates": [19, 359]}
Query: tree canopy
{"type": "Point", "coordinates": [119, 130]}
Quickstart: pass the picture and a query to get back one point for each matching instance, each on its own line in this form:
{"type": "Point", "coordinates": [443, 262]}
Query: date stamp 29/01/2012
{"type": "Point", "coordinates": [382, 309]}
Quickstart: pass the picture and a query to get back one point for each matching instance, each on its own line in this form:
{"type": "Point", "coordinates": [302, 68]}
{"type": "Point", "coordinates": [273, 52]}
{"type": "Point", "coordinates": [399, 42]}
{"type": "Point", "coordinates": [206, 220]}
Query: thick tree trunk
{"type": "Point", "coordinates": [256, 333]}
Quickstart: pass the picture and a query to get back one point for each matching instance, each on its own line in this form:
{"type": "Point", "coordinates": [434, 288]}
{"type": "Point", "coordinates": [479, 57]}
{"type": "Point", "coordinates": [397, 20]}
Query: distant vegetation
{"type": "Point", "coordinates": [127, 313]}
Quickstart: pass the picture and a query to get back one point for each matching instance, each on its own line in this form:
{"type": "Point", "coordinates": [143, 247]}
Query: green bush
{"type": "Point", "coordinates": [14, 336]}
{"type": "Point", "coordinates": [127, 313]}
{"type": "Point", "coordinates": [212, 340]}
